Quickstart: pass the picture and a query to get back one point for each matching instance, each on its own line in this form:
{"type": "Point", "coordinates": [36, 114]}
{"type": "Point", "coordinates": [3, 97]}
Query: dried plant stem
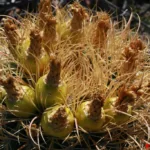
{"type": "Point", "coordinates": [53, 77]}
{"type": "Point", "coordinates": [35, 48]}
{"type": "Point", "coordinates": [44, 10]}
{"type": "Point", "coordinates": [12, 88]}
{"type": "Point", "coordinates": [12, 36]}
{"type": "Point", "coordinates": [77, 23]}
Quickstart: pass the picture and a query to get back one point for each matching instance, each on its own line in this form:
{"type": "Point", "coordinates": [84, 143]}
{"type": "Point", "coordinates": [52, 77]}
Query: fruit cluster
{"type": "Point", "coordinates": [73, 70]}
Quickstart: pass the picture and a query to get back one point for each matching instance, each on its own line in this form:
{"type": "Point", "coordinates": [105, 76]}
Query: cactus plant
{"type": "Point", "coordinates": [86, 55]}
{"type": "Point", "coordinates": [57, 121]}
{"type": "Point", "coordinates": [90, 114]}
{"type": "Point", "coordinates": [20, 98]}
{"type": "Point", "coordinates": [50, 90]}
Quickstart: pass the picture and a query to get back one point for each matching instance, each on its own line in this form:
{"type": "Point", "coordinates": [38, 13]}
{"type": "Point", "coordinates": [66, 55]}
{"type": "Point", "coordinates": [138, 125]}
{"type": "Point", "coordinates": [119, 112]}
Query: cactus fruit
{"type": "Point", "coordinates": [98, 60]}
{"type": "Point", "coordinates": [57, 121]}
{"type": "Point", "coordinates": [20, 98]}
{"type": "Point", "coordinates": [35, 61]}
{"type": "Point", "coordinates": [50, 90]}
{"type": "Point", "coordinates": [90, 114]}
{"type": "Point", "coordinates": [119, 109]}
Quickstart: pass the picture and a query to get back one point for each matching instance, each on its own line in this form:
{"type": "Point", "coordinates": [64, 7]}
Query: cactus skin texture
{"type": "Point", "coordinates": [90, 120]}
{"type": "Point", "coordinates": [48, 94]}
{"type": "Point", "coordinates": [50, 89]}
{"type": "Point", "coordinates": [57, 121]}
{"type": "Point", "coordinates": [112, 115]}
{"type": "Point", "coordinates": [20, 98]}
{"type": "Point", "coordinates": [23, 107]}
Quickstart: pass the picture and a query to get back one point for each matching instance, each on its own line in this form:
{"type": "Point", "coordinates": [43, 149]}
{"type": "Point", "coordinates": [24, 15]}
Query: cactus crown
{"type": "Point", "coordinates": [95, 107]}
{"type": "Point", "coordinates": [130, 55]}
{"type": "Point", "coordinates": [125, 97]}
{"type": "Point", "coordinates": [12, 36]}
{"type": "Point", "coordinates": [137, 44]}
{"type": "Point", "coordinates": [78, 16]}
{"type": "Point", "coordinates": [53, 76]}
{"type": "Point", "coordinates": [35, 48]}
{"type": "Point", "coordinates": [101, 29]}
{"type": "Point", "coordinates": [12, 88]}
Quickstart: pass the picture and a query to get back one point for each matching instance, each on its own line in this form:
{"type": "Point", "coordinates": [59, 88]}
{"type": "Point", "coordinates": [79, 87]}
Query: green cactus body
{"type": "Point", "coordinates": [109, 105]}
{"type": "Point", "coordinates": [35, 65]}
{"type": "Point", "coordinates": [87, 122]}
{"type": "Point", "coordinates": [48, 95]}
{"type": "Point", "coordinates": [120, 118]}
{"type": "Point", "coordinates": [57, 121]}
{"type": "Point", "coordinates": [111, 112]}
{"type": "Point", "coordinates": [24, 106]}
